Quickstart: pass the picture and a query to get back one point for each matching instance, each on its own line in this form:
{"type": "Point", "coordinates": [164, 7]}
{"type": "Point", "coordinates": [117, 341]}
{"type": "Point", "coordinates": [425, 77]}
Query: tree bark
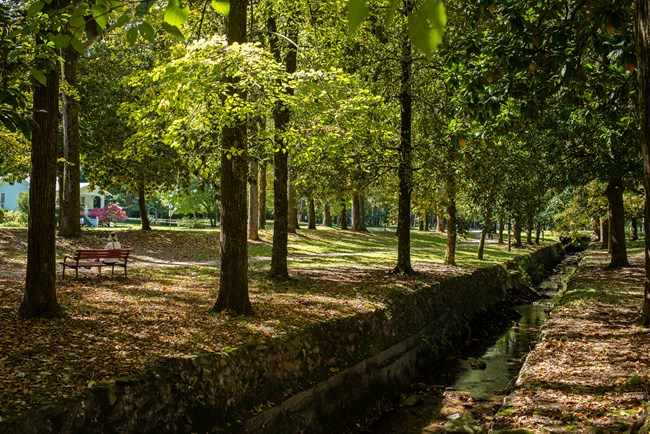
{"type": "Point", "coordinates": [233, 281]}
{"type": "Point", "coordinates": [69, 226]}
{"type": "Point", "coordinates": [450, 252]}
{"type": "Point", "coordinates": [40, 289]}
{"type": "Point", "coordinates": [327, 215]}
{"type": "Point", "coordinates": [281, 117]}
{"type": "Point", "coordinates": [142, 207]}
{"type": "Point", "coordinates": [312, 214]}
{"type": "Point", "coordinates": [262, 197]}
{"type": "Point", "coordinates": [596, 226]}
{"type": "Point", "coordinates": [427, 221]}
{"type": "Point", "coordinates": [358, 214]}
{"type": "Point", "coordinates": [538, 232]}
{"type": "Point", "coordinates": [635, 228]}
{"type": "Point", "coordinates": [253, 204]}
{"type": "Point", "coordinates": [405, 169]}
{"type": "Point", "coordinates": [614, 193]}
{"type": "Point", "coordinates": [293, 213]}
{"type": "Point", "coordinates": [344, 216]}
{"type": "Point", "coordinates": [642, 27]}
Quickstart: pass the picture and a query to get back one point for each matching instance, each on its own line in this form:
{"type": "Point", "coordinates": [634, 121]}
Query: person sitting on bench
{"type": "Point", "coordinates": [112, 244]}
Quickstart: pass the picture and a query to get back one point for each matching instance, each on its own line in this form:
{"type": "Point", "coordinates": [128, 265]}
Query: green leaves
{"type": "Point", "coordinates": [176, 13]}
{"type": "Point", "coordinates": [357, 12]}
{"type": "Point", "coordinates": [426, 23]}
{"type": "Point", "coordinates": [221, 6]}
{"type": "Point", "coordinates": [427, 26]}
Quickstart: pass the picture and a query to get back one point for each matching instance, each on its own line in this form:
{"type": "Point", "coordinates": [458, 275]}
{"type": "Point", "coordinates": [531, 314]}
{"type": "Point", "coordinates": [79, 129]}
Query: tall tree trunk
{"type": "Point", "coordinates": [142, 207]}
{"type": "Point", "coordinates": [604, 230]}
{"type": "Point", "coordinates": [69, 211]}
{"type": "Point", "coordinates": [405, 169]}
{"type": "Point", "coordinates": [253, 204]}
{"type": "Point", "coordinates": [501, 223]}
{"type": "Point", "coordinates": [327, 215]}
{"type": "Point", "coordinates": [614, 193]}
{"type": "Point", "coordinates": [312, 214]}
{"type": "Point", "coordinates": [233, 281]}
{"type": "Point", "coordinates": [262, 197]}
{"type": "Point", "coordinates": [40, 289]}
{"type": "Point", "coordinates": [450, 252]}
{"type": "Point", "coordinates": [440, 220]}
{"type": "Point", "coordinates": [358, 214]}
{"type": "Point", "coordinates": [281, 118]}
{"type": "Point", "coordinates": [538, 232]}
{"type": "Point", "coordinates": [293, 213]}
{"type": "Point", "coordinates": [643, 68]}
{"type": "Point", "coordinates": [344, 216]}
{"type": "Point", "coordinates": [427, 221]}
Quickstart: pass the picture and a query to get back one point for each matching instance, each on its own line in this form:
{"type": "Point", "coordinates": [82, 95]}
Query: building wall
{"type": "Point", "coordinates": [11, 192]}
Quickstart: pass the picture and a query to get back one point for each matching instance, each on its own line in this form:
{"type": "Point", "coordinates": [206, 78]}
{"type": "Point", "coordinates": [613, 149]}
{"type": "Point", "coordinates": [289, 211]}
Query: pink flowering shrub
{"type": "Point", "coordinates": [97, 213]}
{"type": "Point", "coordinates": [113, 213]}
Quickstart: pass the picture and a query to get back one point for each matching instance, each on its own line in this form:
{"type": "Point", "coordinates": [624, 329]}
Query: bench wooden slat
{"type": "Point", "coordinates": [95, 255]}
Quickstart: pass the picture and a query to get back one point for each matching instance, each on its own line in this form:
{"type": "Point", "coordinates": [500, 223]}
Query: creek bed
{"type": "Point", "coordinates": [467, 389]}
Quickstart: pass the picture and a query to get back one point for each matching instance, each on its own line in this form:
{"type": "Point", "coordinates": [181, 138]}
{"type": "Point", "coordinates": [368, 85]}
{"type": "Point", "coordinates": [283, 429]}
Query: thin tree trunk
{"type": "Point", "coordinates": [312, 214]}
{"type": "Point", "coordinates": [481, 243]}
{"type": "Point", "coordinates": [233, 279]}
{"type": "Point", "coordinates": [262, 197]}
{"type": "Point", "coordinates": [643, 71]}
{"type": "Point", "coordinates": [293, 213]}
{"type": "Point", "coordinates": [450, 252]}
{"type": "Point", "coordinates": [538, 232]}
{"type": "Point", "coordinates": [405, 169]}
{"type": "Point", "coordinates": [344, 216]}
{"type": "Point", "coordinates": [604, 230]}
{"type": "Point", "coordinates": [427, 221]}
{"type": "Point", "coordinates": [614, 193]}
{"type": "Point", "coordinates": [635, 228]}
{"type": "Point", "coordinates": [253, 204]}
{"type": "Point", "coordinates": [69, 226]}
{"type": "Point", "coordinates": [516, 233]}
{"type": "Point", "coordinates": [327, 215]}
{"type": "Point", "coordinates": [281, 117]}
{"type": "Point", "coordinates": [142, 207]}
{"type": "Point", "coordinates": [40, 290]}
{"type": "Point", "coordinates": [501, 223]}
{"type": "Point", "coordinates": [440, 220]}
{"type": "Point", "coordinates": [529, 232]}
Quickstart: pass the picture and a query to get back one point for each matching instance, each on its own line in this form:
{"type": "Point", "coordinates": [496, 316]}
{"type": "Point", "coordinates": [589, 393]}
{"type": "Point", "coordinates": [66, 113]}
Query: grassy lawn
{"type": "Point", "coordinates": [116, 327]}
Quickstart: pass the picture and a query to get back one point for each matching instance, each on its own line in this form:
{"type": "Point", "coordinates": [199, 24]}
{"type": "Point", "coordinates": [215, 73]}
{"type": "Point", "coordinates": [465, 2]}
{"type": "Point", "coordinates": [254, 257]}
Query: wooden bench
{"type": "Point", "coordinates": [89, 258]}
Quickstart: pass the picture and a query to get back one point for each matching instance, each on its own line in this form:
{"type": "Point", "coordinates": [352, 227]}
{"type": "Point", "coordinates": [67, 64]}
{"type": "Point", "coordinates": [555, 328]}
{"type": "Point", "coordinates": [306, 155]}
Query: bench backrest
{"type": "Point", "coordinates": [102, 253]}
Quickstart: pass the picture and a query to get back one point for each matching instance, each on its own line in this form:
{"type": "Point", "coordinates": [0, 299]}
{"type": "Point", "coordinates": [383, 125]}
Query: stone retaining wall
{"type": "Point", "coordinates": [331, 377]}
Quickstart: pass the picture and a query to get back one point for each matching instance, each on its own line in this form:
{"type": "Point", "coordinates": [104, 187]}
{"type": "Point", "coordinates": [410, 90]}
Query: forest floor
{"type": "Point", "coordinates": [591, 371]}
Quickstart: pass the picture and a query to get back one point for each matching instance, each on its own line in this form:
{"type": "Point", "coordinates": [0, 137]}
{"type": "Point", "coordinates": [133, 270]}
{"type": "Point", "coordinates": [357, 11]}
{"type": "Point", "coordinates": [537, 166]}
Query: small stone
{"type": "Point", "coordinates": [478, 364]}
{"type": "Point", "coordinates": [463, 424]}
{"type": "Point", "coordinates": [413, 400]}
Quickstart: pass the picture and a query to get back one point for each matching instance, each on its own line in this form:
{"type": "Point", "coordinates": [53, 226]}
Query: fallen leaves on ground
{"type": "Point", "coordinates": [591, 373]}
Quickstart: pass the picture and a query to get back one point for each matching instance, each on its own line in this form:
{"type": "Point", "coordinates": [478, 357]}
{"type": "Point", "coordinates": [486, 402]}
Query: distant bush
{"type": "Point", "coordinates": [113, 213]}
{"type": "Point", "coordinates": [15, 219]}
{"type": "Point", "coordinates": [190, 223]}
{"type": "Point", "coordinates": [23, 202]}
{"type": "Point", "coordinates": [2, 215]}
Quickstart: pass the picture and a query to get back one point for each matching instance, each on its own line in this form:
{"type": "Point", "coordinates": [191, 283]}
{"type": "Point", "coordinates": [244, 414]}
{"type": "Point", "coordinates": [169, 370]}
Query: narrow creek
{"type": "Point", "coordinates": [463, 392]}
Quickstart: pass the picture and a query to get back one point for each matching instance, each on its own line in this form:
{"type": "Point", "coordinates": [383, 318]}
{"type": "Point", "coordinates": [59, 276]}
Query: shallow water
{"type": "Point", "coordinates": [476, 379]}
